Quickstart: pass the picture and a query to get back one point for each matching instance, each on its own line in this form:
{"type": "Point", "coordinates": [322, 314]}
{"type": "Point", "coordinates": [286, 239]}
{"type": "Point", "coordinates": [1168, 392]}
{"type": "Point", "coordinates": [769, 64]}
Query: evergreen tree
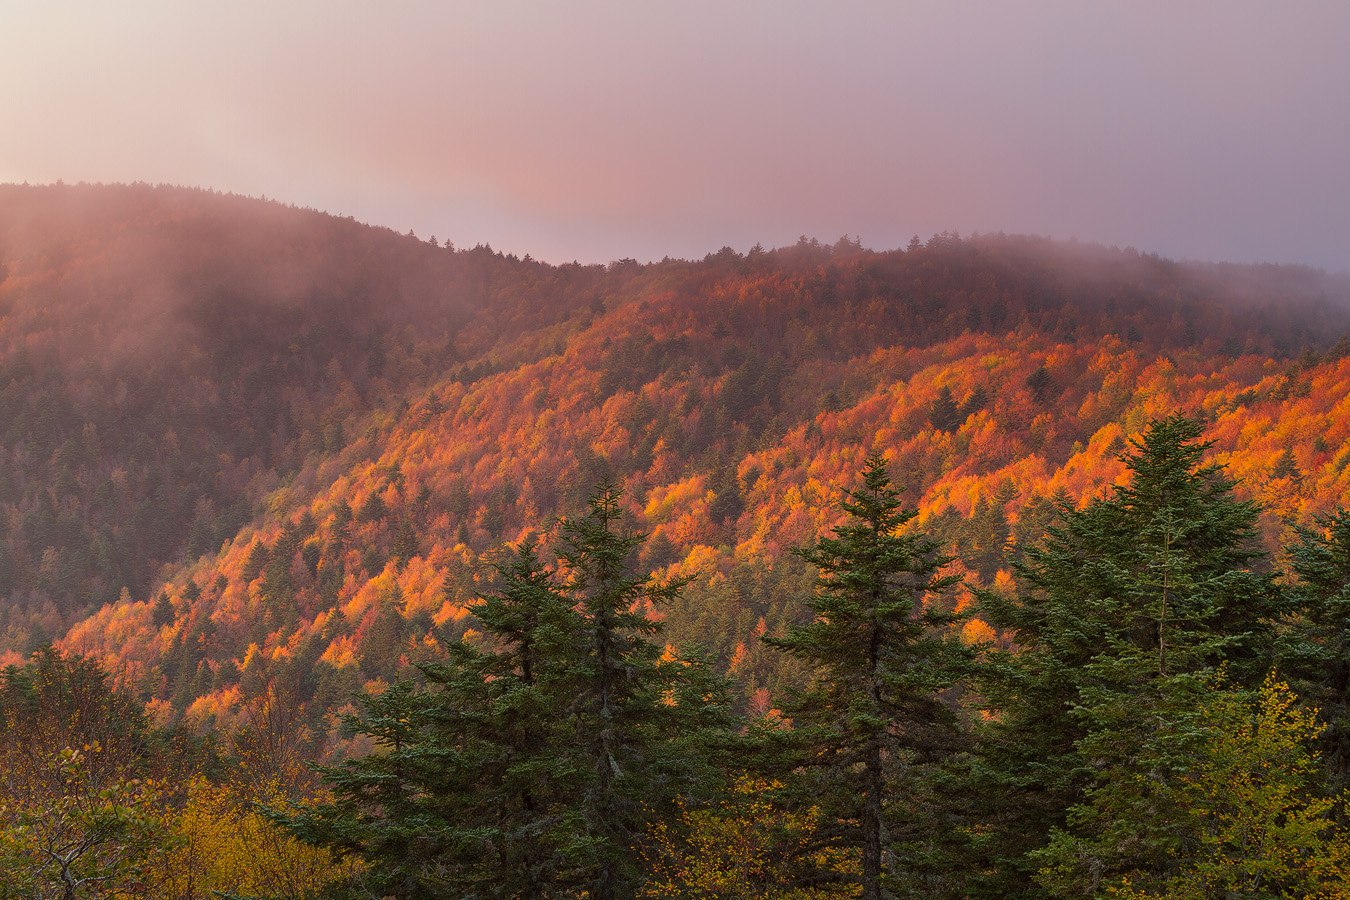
{"type": "Point", "coordinates": [259, 555]}
{"type": "Point", "coordinates": [636, 733]}
{"type": "Point", "coordinates": [374, 509]}
{"type": "Point", "coordinates": [405, 544]}
{"type": "Point", "coordinates": [1317, 651]}
{"type": "Point", "coordinates": [873, 722]}
{"type": "Point", "coordinates": [164, 612]}
{"type": "Point", "coordinates": [982, 541]}
{"type": "Point", "coordinates": [945, 414]}
{"type": "Point", "coordinates": [1041, 384]}
{"type": "Point", "coordinates": [978, 400]}
{"type": "Point", "coordinates": [535, 765]}
{"type": "Point", "coordinates": [1122, 611]}
{"type": "Point", "coordinates": [459, 804]}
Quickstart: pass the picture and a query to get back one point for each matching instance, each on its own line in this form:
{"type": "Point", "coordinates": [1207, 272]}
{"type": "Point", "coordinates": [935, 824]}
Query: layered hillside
{"type": "Point", "coordinates": [245, 444]}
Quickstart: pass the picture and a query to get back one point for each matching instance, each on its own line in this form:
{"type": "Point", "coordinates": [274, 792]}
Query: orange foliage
{"type": "Point", "coordinates": [735, 398]}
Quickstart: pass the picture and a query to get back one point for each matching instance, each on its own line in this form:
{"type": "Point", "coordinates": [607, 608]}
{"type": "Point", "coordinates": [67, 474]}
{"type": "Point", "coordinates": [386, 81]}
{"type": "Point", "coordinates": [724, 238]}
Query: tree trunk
{"type": "Point", "coordinates": [872, 827]}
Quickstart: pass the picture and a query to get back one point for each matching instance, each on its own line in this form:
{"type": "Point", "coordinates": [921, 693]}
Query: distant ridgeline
{"type": "Point", "coordinates": [243, 442]}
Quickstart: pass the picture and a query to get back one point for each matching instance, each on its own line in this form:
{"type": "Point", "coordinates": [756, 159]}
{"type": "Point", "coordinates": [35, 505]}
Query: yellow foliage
{"type": "Point", "coordinates": [225, 845]}
{"type": "Point", "coordinates": [341, 652]}
{"type": "Point", "coordinates": [680, 495]}
{"type": "Point", "coordinates": [702, 560]}
{"type": "Point", "coordinates": [1259, 832]}
{"type": "Point", "coordinates": [976, 631]}
{"type": "Point", "coordinates": [740, 849]}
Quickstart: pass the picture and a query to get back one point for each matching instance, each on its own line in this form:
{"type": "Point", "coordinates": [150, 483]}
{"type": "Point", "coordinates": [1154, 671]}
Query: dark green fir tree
{"type": "Point", "coordinates": [1317, 647]}
{"type": "Point", "coordinates": [945, 414]}
{"type": "Point", "coordinates": [877, 718]}
{"type": "Point", "coordinates": [1124, 611]}
{"type": "Point", "coordinates": [535, 764]}
{"type": "Point", "coordinates": [640, 720]}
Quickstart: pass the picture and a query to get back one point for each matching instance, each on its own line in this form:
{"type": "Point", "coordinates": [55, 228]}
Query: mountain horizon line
{"type": "Point", "coordinates": [855, 240]}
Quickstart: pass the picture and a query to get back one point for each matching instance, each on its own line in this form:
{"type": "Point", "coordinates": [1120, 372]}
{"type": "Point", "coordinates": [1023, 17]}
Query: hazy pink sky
{"type": "Point", "coordinates": [598, 130]}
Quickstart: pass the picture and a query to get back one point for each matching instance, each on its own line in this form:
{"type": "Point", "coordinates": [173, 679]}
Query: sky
{"type": "Point", "coordinates": [595, 130]}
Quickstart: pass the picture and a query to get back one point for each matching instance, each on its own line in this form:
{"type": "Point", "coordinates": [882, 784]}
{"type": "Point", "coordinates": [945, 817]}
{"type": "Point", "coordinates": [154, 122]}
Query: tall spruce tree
{"type": "Point", "coordinates": [457, 802]}
{"type": "Point", "coordinates": [535, 766]}
{"type": "Point", "coordinates": [1122, 611]}
{"type": "Point", "coordinates": [945, 414]}
{"type": "Point", "coordinates": [874, 722]}
{"type": "Point", "coordinates": [639, 718]}
{"type": "Point", "coordinates": [1317, 648]}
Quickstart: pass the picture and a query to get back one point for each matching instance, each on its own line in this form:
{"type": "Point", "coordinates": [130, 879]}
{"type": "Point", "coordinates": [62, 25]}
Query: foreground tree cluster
{"type": "Point", "coordinates": [532, 766]}
{"type": "Point", "coordinates": [1161, 715]}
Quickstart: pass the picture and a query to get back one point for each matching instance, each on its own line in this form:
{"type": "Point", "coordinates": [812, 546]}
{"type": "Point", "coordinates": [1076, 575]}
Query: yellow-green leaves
{"type": "Point", "coordinates": [1257, 828]}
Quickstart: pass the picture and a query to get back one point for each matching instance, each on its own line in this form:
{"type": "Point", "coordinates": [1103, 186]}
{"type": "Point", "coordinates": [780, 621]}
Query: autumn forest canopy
{"type": "Point", "coordinates": [989, 566]}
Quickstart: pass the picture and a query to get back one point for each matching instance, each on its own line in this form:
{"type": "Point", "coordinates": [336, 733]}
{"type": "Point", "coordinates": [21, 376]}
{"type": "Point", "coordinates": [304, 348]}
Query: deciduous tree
{"type": "Point", "coordinates": [1254, 824]}
{"type": "Point", "coordinates": [65, 835]}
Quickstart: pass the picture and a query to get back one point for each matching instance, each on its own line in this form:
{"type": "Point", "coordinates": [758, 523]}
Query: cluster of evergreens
{"type": "Point", "coordinates": [1162, 714]}
{"type": "Point", "coordinates": [1134, 735]}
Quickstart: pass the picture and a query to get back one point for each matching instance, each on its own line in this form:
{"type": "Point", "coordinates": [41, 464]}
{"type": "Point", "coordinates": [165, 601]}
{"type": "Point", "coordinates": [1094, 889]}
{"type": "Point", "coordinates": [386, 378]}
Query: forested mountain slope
{"type": "Point", "coordinates": [244, 442]}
